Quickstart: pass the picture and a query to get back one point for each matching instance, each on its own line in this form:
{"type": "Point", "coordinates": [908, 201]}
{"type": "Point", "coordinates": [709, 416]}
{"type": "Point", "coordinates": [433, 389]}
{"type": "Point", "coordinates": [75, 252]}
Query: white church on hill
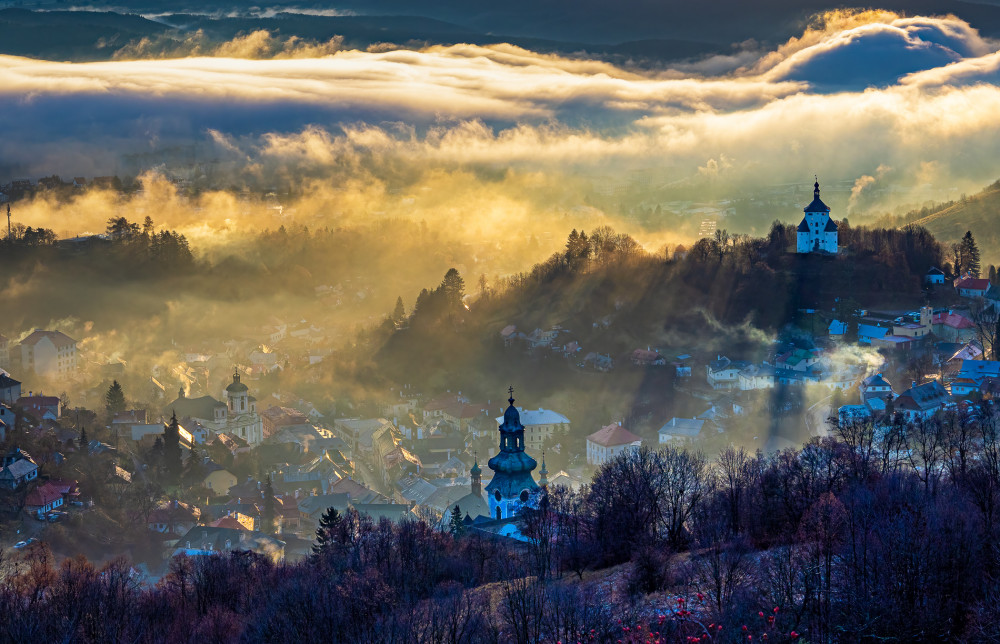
{"type": "Point", "coordinates": [817, 233]}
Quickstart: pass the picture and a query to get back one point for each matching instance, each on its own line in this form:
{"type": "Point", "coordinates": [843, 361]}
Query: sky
{"type": "Point", "coordinates": [856, 95]}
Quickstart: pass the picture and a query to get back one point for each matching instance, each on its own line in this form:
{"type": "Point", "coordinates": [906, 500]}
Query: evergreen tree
{"type": "Point", "coordinates": [993, 274]}
{"type": "Point", "coordinates": [455, 525]}
{"type": "Point", "coordinates": [398, 313]}
{"type": "Point", "coordinates": [267, 515]}
{"type": "Point", "coordinates": [453, 288]}
{"type": "Point", "coordinates": [326, 533]}
{"type": "Point", "coordinates": [84, 441]}
{"type": "Point", "coordinates": [970, 255]}
{"type": "Point", "coordinates": [172, 449]}
{"type": "Point", "coordinates": [114, 399]}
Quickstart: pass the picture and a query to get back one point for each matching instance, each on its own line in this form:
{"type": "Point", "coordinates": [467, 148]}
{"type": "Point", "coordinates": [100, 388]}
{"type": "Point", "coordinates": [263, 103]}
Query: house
{"type": "Point", "coordinates": [869, 332]}
{"type": "Point", "coordinates": [970, 286]}
{"type": "Point", "coordinates": [174, 517]}
{"type": "Point", "coordinates": [49, 354]}
{"type": "Point", "coordinates": [837, 330]}
{"type": "Point", "coordinates": [10, 389]}
{"type": "Point", "coordinates": [899, 342]}
{"type": "Point", "coordinates": [540, 425]}
{"type": "Point", "coordinates": [218, 479]}
{"type": "Point", "coordinates": [647, 357]}
{"type": "Point", "coordinates": [8, 421]}
{"type": "Point", "coordinates": [358, 432]}
{"type": "Point", "coordinates": [875, 391]}
{"type": "Point", "coordinates": [817, 233]}
{"type": "Point", "coordinates": [18, 468]}
{"type": "Point", "coordinates": [40, 407]}
{"type": "Point", "coordinates": [723, 373]}
{"type": "Point", "coordinates": [754, 377]}
{"type": "Point", "coordinates": [414, 489]}
{"type": "Point", "coordinates": [680, 430]}
{"type": "Point", "coordinates": [922, 401]}
{"type": "Point", "coordinates": [682, 369]}
{"type": "Point", "coordinates": [797, 360]}
{"type": "Point", "coordinates": [207, 540]}
{"type": "Point", "coordinates": [275, 418]}
{"type": "Point", "coordinates": [598, 361]}
{"type": "Point", "coordinates": [610, 441]}
{"type": "Point", "coordinates": [44, 498]}
{"type": "Point", "coordinates": [953, 327]}
{"type": "Point", "coordinates": [934, 276]}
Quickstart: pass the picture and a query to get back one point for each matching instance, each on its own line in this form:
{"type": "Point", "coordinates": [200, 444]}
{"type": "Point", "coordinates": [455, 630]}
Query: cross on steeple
{"type": "Point", "coordinates": [510, 390]}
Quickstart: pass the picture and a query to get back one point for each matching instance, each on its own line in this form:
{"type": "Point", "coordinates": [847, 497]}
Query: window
{"type": "Point", "coordinates": [524, 496]}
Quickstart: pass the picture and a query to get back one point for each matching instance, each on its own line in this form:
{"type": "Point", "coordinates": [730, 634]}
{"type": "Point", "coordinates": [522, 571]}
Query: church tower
{"type": "Point", "coordinates": [512, 487]}
{"type": "Point", "coordinates": [238, 395]}
{"type": "Point", "coordinates": [817, 233]}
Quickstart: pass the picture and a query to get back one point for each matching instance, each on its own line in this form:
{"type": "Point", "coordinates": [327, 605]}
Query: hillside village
{"type": "Point", "coordinates": [258, 471]}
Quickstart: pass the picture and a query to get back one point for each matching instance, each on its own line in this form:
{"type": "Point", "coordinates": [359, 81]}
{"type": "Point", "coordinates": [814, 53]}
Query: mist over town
{"type": "Point", "coordinates": [453, 322]}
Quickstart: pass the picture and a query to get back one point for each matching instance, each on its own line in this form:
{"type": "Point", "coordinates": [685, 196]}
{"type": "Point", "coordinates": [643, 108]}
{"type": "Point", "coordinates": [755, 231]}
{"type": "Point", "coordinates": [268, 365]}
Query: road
{"type": "Point", "coordinates": [816, 416]}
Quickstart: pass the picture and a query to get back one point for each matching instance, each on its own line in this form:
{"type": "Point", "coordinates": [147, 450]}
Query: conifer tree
{"type": "Point", "coordinates": [970, 255]}
{"type": "Point", "coordinates": [114, 399]}
{"type": "Point", "coordinates": [84, 441]}
{"type": "Point", "coordinates": [456, 526]}
{"type": "Point", "coordinates": [326, 533]}
{"type": "Point", "coordinates": [398, 313]}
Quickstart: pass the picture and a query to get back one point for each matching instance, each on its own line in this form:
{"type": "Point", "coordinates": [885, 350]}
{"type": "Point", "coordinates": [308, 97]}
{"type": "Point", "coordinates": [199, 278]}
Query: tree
{"type": "Point", "coordinates": [970, 254]}
{"type": "Point", "coordinates": [114, 399]}
{"type": "Point", "coordinates": [267, 516]}
{"type": "Point", "coordinates": [326, 533]}
{"type": "Point", "coordinates": [398, 313]}
{"type": "Point", "coordinates": [172, 449]}
{"type": "Point", "coordinates": [455, 525]}
{"type": "Point", "coordinates": [84, 442]}
{"type": "Point", "coordinates": [453, 288]}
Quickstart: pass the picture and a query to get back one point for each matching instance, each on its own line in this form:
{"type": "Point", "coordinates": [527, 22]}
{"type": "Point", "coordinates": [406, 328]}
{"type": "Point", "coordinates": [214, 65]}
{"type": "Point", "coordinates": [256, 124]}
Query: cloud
{"type": "Point", "coordinates": [877, 52]}
{"type": "Point", "coordinates": [396, 117]}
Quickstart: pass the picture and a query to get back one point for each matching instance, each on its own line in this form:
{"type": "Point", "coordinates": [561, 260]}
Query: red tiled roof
{"type": "Point", "coordinates": [954, 320]}
{"type": "Point", "coordinates": [228, 522]}
{"type": "Point", "coordinates": [973, 284]}
{"type": "Point", "coordinates": [613, 435]}
{"type": "Point", "coordinates": [42, 495]}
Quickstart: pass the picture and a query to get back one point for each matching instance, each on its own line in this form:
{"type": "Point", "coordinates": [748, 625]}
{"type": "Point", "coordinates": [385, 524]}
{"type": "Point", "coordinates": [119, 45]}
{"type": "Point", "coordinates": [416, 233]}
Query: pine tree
{"type": "Point", "coordinates": [993, 274]}
{"type": "Point", "coordinates": [326, 533]}
{"type": "Point", "coordinates": [970, 255]}
{"type": "Point", "coordinates": [114, 400]}
{"type": "Point", "coordinates": [172, 449]}
{"type": "Point", "coordinates": [453, 288]}
{"type": "Point", "coordinates": [84, 441]}
{"type": "Point", "coordinates": [456, 526]}
{"type": "Point", "coordinates": [267, 516]}
{"type": "Point", "coordinates": [399, 312]}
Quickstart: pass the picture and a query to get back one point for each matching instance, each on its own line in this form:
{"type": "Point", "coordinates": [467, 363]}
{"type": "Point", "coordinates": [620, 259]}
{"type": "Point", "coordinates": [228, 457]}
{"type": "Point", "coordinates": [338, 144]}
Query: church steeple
{"type": "Point", "coordinates": [512, 486]}
{"type": "Point", "coordinates": [543, 475]}
{"type": "Point", "coordinates": [816, 188]}
{"type": "Point", "coordinates": [477, 477]}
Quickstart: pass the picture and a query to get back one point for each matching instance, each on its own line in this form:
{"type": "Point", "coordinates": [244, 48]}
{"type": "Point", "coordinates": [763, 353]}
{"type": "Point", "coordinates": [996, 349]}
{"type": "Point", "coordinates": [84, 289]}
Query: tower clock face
{"type": "Point", "coordinates": [497, 496]}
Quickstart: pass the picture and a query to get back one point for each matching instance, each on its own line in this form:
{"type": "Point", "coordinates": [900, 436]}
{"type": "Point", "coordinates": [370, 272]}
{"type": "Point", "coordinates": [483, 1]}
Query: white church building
{"type": "Point", "coordinates": [817, 233]}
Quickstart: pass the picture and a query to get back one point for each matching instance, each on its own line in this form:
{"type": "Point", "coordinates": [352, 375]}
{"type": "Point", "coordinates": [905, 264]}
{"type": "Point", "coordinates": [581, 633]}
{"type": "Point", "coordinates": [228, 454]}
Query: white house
{"type": "Point", "coordinates": [680, 430]}
{"type": "Point", "coordinates": [970, 286]}
{"type": "Point", "coordinates": [610, 441]}
{"type": "Point", "coordinates": [817, 233]}
{"type": "Point", "coordinates": [49, 354]}
{"type": "Point", "coordinates": [723, 373]}
{"type": "Point", "coordinates": [753, 377]}
{"type": "Point", "coordinates": [934, 276]}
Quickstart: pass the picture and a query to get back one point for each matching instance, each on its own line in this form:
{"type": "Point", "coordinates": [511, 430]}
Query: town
{"type": "Point", "coordinates": [209, 453]}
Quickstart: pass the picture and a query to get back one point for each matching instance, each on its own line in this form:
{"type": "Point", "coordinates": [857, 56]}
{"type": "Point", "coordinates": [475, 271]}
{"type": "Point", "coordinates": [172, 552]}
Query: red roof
{"type": "Point", "coordinates": [227, 522]}
{"type": "Point", "coordinates": [42, 495]}
{"type": "Point", "coordinates": [973, 284]}
{"type": "Point", "coordinates": [67, 486]}
{"type": "Point", "coordinates": [612, 436]}
{"type": "Point", "coordinates": [954, 320]}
